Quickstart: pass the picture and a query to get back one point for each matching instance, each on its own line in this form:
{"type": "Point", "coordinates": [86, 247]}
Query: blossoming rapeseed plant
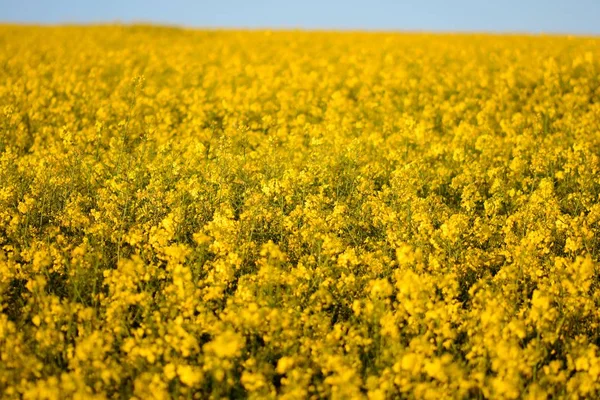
{"type": "Point", "coordinates": [189, 214]}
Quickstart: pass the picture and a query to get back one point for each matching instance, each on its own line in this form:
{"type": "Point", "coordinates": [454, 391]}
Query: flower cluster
{"type": "Point", "coordinates": [224, 214]}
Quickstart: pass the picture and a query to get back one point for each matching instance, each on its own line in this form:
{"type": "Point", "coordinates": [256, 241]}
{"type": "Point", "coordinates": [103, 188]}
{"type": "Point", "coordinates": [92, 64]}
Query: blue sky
{"type": "Point", "coordinates": [532, 16]}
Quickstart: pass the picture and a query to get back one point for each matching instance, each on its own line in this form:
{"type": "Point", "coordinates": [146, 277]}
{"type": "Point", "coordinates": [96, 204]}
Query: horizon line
{"type": "Point", "coordinates": [282, 28]}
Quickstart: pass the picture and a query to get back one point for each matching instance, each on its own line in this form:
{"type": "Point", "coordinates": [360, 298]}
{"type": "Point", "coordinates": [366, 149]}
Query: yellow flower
{"type": "Point", "coordinates": [226, 345]}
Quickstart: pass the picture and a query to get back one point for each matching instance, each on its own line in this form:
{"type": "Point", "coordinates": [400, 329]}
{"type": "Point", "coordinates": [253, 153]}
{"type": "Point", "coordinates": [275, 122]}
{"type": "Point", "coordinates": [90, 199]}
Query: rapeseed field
{"type": "Point", "coordinates": [298, 215]}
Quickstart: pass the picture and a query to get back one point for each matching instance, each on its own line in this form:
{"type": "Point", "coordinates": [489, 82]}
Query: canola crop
{"type": "Point", "coordinates": [250, 214]}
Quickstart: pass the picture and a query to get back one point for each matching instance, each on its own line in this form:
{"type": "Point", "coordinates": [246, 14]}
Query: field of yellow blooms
{"type": "Point", "coordinates": [246, 214]}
